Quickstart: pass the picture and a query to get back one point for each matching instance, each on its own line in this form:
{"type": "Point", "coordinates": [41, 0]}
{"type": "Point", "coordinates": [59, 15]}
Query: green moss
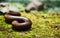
{"type": "Point", "coordinates": [41, 27]}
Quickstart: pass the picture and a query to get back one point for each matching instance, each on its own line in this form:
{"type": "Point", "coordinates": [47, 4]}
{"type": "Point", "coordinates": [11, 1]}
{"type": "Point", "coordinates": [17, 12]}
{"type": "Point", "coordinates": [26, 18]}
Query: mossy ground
{"type": "Point", "coordinates": [41, 27]}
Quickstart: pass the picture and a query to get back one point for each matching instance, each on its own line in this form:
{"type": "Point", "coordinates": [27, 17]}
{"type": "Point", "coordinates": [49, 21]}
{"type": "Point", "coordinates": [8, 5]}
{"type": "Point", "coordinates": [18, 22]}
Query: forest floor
{"type": "Point", "coordinates": [42, 26]}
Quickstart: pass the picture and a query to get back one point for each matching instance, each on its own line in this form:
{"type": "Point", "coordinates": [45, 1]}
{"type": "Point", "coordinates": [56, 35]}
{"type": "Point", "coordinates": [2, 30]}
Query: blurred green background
{"type": "Point", "coordinates": [51, 4]}
{"type": "Point", "coordinates": [25, 2]}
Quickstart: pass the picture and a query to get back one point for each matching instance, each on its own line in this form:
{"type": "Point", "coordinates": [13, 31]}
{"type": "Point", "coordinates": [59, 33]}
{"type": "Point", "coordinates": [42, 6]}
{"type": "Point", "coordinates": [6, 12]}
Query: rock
{"type": "Point", "coordinates": [34, 5]}
{"type": "Point", "coordinates": [3, 4]}
{"type": "Point", "coordinates": [8, 9]}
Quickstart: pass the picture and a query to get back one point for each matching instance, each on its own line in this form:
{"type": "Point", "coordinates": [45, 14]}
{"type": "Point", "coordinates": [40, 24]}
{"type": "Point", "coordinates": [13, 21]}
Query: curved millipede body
{"type": "Point", "coordinates": [13, 16]}
{"type": "Point", "coordinates": [18, 22]}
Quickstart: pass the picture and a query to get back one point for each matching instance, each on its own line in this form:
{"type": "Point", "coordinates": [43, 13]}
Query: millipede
{"type": "Point", "coordinates": [18, 22]}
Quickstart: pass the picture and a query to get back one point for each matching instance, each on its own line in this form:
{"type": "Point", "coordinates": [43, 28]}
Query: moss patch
{"type": "Point", "coordinates": [41, 27]}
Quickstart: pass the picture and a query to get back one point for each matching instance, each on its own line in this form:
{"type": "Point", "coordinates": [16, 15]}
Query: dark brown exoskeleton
{"type": "Point", "coordinates": [18, 22]}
